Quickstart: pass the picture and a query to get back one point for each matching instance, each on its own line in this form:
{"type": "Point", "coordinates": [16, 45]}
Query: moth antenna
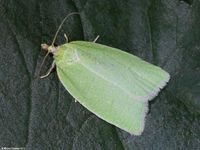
{"type": "Point", "coordinates": [45, 46]}
{"type": "Point", "coordinates": [73, 13]}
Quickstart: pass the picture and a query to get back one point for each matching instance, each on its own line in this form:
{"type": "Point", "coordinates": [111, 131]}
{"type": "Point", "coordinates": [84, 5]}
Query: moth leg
{"type": "Point", "coordinates": [49, 71]}
{"type": "Point", "coordinates": [75, 100]}
{"type": "Point", "coordinates": [67, 39]}
{"type": "Point", "coordinates": [96, 39]}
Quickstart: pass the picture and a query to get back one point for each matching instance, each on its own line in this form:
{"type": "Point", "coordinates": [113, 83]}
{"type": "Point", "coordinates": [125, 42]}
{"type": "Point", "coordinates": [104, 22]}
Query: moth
{"type": "Point", "coordinates": [113, 84]}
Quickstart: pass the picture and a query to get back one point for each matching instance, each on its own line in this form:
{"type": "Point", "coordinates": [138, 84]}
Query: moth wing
{"type": "Point", "coordinates": [114, 85]}
{"type": "Point", "coordinates": [103, 99]}
{"type": "Point", "coordinates": [133, 75]}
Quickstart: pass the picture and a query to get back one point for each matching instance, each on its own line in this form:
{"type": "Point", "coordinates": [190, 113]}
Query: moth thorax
{"type": "Point", "coordinates": [52, 49]}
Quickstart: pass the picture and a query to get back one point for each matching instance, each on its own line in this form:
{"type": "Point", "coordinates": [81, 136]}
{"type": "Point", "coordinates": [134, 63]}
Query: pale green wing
{"type": "Point", "coordinates": [103, 98]}
{"type": "Point", "coordinates": [112, 84]}
{"type": "Point", "coordinates": [137, 78]}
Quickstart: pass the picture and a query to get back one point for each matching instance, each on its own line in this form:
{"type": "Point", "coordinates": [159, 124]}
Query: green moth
{"type": "Point", "coordinates": [114, 85]}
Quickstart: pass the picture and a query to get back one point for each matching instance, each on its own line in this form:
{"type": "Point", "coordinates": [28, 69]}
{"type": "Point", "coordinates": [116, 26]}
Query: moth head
{"type": "Point", "coordinates": [49, 49]}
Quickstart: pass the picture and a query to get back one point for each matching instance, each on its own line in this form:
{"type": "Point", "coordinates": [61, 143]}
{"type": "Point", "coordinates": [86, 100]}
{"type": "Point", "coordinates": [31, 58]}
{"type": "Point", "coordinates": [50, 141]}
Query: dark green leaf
{"type": "Point", "coordinates": [41, 114]}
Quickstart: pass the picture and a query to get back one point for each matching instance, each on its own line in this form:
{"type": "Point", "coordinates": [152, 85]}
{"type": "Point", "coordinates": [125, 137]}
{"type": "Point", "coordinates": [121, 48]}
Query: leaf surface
{"type": "Point", "coordinates": [41, 114]}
